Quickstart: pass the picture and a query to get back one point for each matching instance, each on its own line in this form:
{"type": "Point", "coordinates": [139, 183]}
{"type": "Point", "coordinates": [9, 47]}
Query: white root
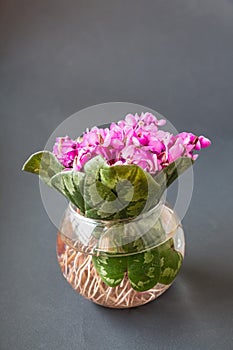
{"type": "Point", "coordinates": [79, 271]}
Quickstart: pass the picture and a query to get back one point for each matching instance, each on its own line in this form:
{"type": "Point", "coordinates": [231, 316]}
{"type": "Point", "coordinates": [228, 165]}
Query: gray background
{"type": "Point", "coordinates": [58, 57]}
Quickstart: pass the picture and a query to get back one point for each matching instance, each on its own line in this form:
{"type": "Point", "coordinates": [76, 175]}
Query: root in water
{"type": "Point", "coordinates": [79, 271]}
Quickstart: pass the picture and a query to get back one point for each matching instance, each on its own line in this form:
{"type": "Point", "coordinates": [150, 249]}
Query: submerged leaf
{"type": "Point", "coordinates": [144, 270]}
{"type": "Point", "coordinates": [157, 265]}
{"type": "Point", "coordinates": [170, 262]}
{"type": "Point", "coordinates": [111, 269]}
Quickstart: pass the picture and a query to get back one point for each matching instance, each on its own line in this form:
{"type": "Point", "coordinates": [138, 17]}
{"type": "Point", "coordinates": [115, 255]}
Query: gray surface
{"type": "Point", "coordinates": [60, 56]}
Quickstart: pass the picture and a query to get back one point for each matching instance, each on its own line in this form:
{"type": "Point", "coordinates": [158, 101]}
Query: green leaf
{"type": "Point", "coordinates": [170, 262]}
{"type": "Point", "coordinates": [154, 192]}
{"type": "Point", "coordinates": [125, 191]}
{"type": "Point", "coordinates": [129, 183]}
{"type": "Point", "coordinates": [70, 184]}
{"type": "Point", "coordinates": [94, 164]}
{"type": "Point", "coordinates": [108, 176]}
{"type": "Point", "coordinates": [156, 265]}
{"type": "Point", "coordinates": [95, 193]}
{"type": "Point", "coordinates": [144, 270]}
{"type": "Point", "coordinates": [153, 234]}
{"type": "Point", "coordinates": [117, 192]}
{"type": "Point", "coordinates": [132, 237]}
{"type": "Point", "coordinates": [44, 164]}
{"type": "Point", "coordinates": [110, 269]}
{"type": "Point", "coordinates": [169, 174]}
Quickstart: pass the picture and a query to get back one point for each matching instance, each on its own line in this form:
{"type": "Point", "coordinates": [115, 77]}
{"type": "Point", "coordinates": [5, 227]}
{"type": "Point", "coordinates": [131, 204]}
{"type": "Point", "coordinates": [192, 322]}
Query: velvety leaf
{"type": "Point", "coordinates": [95, 192]}
{"type": "Point", "coordinates": [108, 176]}
{"type": "Point", "coordinates": [94, 164]}
{"type": "Point", "coordinates": [169, 174]}
{"type": "Point", "coordinates": [139, 190]}
{"type": "Point", "coordinates": [70, 184]}
{"type": "Point", "coordinates": [98, 200]}
{"type": "Point", "coordinates": [135, 179]}
{"type": "Point", "coordinates": [44, 164]}
{"type": "Point", "coordinates": [130, 185]}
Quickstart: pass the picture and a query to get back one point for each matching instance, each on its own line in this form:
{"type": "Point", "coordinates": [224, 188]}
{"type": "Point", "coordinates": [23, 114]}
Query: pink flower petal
{"type": "Point", "coordinates": [204, 141]}
{"type": "Point", "coordinates": [136, 139]}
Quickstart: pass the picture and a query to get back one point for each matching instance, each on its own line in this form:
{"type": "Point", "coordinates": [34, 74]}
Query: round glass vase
{"type": "Point", "coordinates": [121, 263]}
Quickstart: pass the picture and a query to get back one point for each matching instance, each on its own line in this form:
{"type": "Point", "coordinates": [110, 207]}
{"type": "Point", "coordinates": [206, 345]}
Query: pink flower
{"type": "Point", "coordinates": [94, 137]}
{"type": "Point", "coordinates": [204, 141]}
{"type": "Point", "coordinates": [134, 140]}
{"type": "Point", "coordinates": [176, 151]}
{"type": "Point", "coordinates": [131, 119]}
{"type": "Point", "coordinates": [116, 136]}
{"type": "Point", "coordinates": [149, 118]}
{"type": "Point", "coordinates": [193, 142]}
{"type": "Point", "coordinates": [65, 149]}
{"type": "Point", "coordinates": [82, 157]}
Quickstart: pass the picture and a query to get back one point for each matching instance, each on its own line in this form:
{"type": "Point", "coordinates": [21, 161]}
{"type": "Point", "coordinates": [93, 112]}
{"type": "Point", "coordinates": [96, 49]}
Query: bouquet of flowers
{"type": "Point", "coordinates": [118, 173]}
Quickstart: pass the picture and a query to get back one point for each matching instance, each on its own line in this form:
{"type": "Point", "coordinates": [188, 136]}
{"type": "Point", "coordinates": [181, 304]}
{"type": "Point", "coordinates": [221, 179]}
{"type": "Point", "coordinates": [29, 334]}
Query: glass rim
{"type": "Point", "coordinates": [100, 222]}
{"type": "Point", "coordinates": [95, 250]}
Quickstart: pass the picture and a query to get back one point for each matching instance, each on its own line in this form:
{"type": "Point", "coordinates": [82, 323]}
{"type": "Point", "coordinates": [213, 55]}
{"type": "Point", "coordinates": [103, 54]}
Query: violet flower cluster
{"type": "Point", "coordinates": [134, 140]}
